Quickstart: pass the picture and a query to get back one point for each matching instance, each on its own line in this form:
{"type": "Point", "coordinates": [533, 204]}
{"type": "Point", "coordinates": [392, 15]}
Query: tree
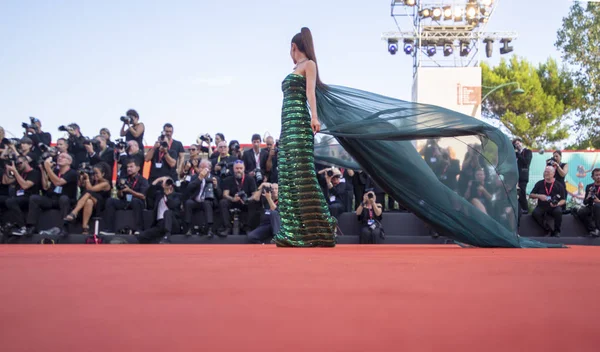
{"type": "Point", "coordinates": [579, 41]}
{"type": "Point", "coordinates": [537, 115]}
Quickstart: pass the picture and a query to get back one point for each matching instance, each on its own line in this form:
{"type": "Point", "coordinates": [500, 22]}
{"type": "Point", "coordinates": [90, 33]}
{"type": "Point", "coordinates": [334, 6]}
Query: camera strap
{"type": "Point", "coordinates": [546, 188]}
{"type": "Point", "coordinates": [135, 181]}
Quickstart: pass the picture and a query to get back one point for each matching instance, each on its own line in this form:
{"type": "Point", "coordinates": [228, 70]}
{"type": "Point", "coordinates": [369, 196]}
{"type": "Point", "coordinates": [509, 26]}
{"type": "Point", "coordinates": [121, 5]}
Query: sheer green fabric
{"type": "Point", "coordinates": [399, 144]}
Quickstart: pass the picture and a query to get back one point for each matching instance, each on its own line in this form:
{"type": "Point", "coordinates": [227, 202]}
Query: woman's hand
{"type": "Point", "coordinates": [315, 125]}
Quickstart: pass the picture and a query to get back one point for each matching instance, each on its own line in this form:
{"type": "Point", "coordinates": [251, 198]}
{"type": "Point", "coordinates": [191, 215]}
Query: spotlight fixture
{"type": "Point", "coordinates": [437, 14]}
{"type": "Point", "coordinates": [393, 46]}
{"type": "Point", "coordinates": [458, 14]}
{"type": "Point", "coordinates": [425, 13]}
{"type": "Point", "coordinates": [431, 50]}
{"type": "Point", "coordinates": [486, 11]}
{"type": "Point", "coordinates": [447, 12]}
{"type": "Point", "coordinates": [506, 48]}
{"type": "Point", "coordinates": [464, 48]}
{"type": "Point", "coordinates": [483, 20]}
{"type": "Point", "coordinates": [409, 46]}
{"type": "Point", "coordinates": [448, 49]}
{"type": "Point", "coordinates": [471, 11]}
{"type": "Point", "coordinates": [489, 46]}
{"type": "Point", "coordinates": [409, 2]}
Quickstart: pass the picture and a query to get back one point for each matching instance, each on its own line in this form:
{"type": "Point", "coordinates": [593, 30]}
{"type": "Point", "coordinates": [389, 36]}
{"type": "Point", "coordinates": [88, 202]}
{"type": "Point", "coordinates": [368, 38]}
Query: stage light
{"type": "Point", "coordinates": [447, 12]}
{"type": "Point", "coordinates": [425, 13]}
{"type": "Point", "coordinates": [431, 50]}
{"type": "Point", "coordinates": [489, 46]}
{"type": "Point", "coordinates": [471, 11]}
{"type": "Point", "coordinates": [409, 46]}
{"type": "Point", "coordinates": [448, 49]}
{"type": "Point", "coordinates": [506, 48]}
{"type": "Point", "coordinates": [485, 11]}
{"type": "Point", "coordinates": [464, 48]}
{"type": "Point", "coordinates": [393, 46]}
{"type": "Point", "coordinates": [409, 2]}
{"type": "Point", "coordinates": [486, 2]}
{"type": "Point", "coordinates": [458, 14]}
{"type": "Point", "coordinates": [437, 14]}
{"type": "Point", "coordinates": [483, 20]}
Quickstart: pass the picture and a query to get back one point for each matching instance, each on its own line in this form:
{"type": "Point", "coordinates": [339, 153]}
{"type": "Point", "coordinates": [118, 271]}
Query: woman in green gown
{"type": "Point", "coordinates": [305, 217]}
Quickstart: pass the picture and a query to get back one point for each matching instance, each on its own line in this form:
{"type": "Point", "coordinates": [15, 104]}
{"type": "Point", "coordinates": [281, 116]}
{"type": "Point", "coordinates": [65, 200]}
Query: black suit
{"type": "Point", "coordinates": [523, 161]}
{"type": "Point", "coordinates": [170, 221]}
{"type": "Point", "coordinates": [250, 161]}
{"type": "Point", "coordinates": [107, 156]}
{"type": "Point", "coordinates": [337, 205]}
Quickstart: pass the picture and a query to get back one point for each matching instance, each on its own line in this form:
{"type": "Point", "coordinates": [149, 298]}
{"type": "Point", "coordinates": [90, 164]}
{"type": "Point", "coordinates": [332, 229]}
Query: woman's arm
{"type": "Point", "coordinates": [311, 83]}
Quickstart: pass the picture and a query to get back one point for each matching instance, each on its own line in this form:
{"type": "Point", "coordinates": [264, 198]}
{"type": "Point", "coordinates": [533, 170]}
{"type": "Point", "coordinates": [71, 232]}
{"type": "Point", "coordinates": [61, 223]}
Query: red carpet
{"type": "Point", "coordinates": [262, 298]}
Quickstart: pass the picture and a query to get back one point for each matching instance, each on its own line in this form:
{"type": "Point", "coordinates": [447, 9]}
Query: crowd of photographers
{"type": "Point", "coordinates": [216, 179]}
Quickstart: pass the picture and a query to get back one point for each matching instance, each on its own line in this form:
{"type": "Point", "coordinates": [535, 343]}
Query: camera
{"type": "Point", "coordinates": [267, 189]}
{"type": "Point", "coordinates": [94, 143]}
{"type": "Point", "coordinates": [163, 141]}
{"type": "Point", "coordinates": [209, 190]}
{"type": "Point", "coordinates": [330, 173]}
{"type": "Point", "coordinates": [120, 144]}
{"type": "Point", "coordinates": [236, 147]}
{"type": "Point", "coordinates": [121, 184]}
{"type": "Point", "coordinates": [243, 196]}
{"type": "Point", "coordinates": [224, 169]}
{"type": "Point", "coordinates": [589, 201]}
{"type": "Point", "coordinates": [169, 182]}
{"type": "Point", "coordinates": [204, 138]}
{"type": "Point", "coordinates": [370, 195]}
{"type": "Point", "coordinates": [555, 199]}
{"type": "Point", "coordinates": [551, 161]}
{"type": "Point", "coordinates": [86, 168]}
{"type": "Point", "coordinates": [258, 175]}
{"type": "Point", "coordinates": [67, 129]}
{"type": "Point", "coordinates": [126, 119]}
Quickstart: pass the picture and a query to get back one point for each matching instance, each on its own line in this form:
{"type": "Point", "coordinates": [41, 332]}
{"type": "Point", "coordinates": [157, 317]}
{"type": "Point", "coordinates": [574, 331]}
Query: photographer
{"type": "Point", "coordinates": [271, 163]}
{"type": "Point", "coordinates": [223, 163]}
{"type": "Point", "coordinates": [105, 132]}
{"type": "Point", "coordinates": [34, 131]}
{"type": "Point", "coordinates": [99, 152]}
{"type": "Point", "coordinates": [524, 157]}
{"type": "Point", "coordinates": [26, 149]}
{"type": "Point", "coordinates": [131, 195]}
{"type": "Point", "coordinates": [61, 191]}
{"type": "Point", "coordinates": [76, 143]}
{"type": "Point", "coordinates": [589, 214]}
{"type": "Point", "coordinates": [219, 137]}
{"type": "Point", "coordinates": [336, 191]}
{"type": "Point", "coordinates": [128, 151]}
{"type": "Point", "coordinates": [192, 166]}
{"type": "Point", "coordinates": [255, 160]}
{"type": "Point", "coordinates": [369, 214]}
{"type": "Point", "coordinates": [269, 219]}
{"type": "Point", "coordinates": [237, 192]}
{"type": "Point", "coordinates": [235, 150]}
{"type": "Point", "coordinates": [166, 211]}
{"type": "Point", "coordinates": [94, 195]}
{"type": "Point", "coordinates": [27, 182]}
{"type": "Point", "coordinates": [202, 191]}
{"type": "Point", "coordinates": [551, 197]}
{"type": "Point", "coordinates": [561, 168]}
{"type": "Point", "coordinates": [479, 192]}
{"type": "Point", "coordinates": [133, 129]}
{"type": "Point", "coordinates": [163, 158]}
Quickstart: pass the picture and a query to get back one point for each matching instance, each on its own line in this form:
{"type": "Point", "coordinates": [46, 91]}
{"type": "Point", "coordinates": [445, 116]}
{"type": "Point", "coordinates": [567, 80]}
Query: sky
{"type": "Point", "coordinates": [207, 66]}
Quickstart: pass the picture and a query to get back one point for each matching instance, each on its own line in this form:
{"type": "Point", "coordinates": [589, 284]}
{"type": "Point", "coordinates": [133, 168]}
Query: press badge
{"type": "Point", "coordinates": [433, 160]}
{"type": "Point", "coordinates": [158, 165]}
{"type": "Point", "coordinates": [332, 199]}
{"type": "Point", "coordinates": [129, 197]}
{"type": "Point", "coordinates": [58, 190]}
{"type": "Point", "coordinates": [370, 222]}
{"type": "Point", "coordinates": [20, 193]}
{"type": "Point", "coordinates": [267, 212]}
{"type": "Point", "coordinates": [188, 178]}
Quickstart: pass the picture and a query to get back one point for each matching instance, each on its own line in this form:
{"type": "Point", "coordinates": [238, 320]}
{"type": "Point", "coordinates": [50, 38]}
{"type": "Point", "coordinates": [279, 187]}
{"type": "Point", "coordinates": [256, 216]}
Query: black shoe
{"type": "Point", "coordinates": [189, 232]}
{"type": "Point", "coordinates": [547, 233]}
{"type": "Point", "coordinates": [23, 231]}
{"type": "Point", "coordinates": [165, 240]}
{"type": "Point", "coordinates": [524, 212]}
{"type": "Point", "coordinates": [210, 233]}
{"type": "Point", "coordinates": [555, 234]}
{"type": "Point", "coordinates": [224, 233]}
{"type": "Point", "coordinates": [595, 233]}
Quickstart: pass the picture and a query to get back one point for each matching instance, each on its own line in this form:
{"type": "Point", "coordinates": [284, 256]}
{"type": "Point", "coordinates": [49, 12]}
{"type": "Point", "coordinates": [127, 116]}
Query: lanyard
{"type": "Point", "coordinates": [370, 213]}
{"type": "Point", "coordinates": [134, 183]}
{"type": "Point", "coordinates": [551, 186]}
{"type": "Point", "coordinates": [240, 187]}
{"type": "Point", "coordinates": [161, 154]}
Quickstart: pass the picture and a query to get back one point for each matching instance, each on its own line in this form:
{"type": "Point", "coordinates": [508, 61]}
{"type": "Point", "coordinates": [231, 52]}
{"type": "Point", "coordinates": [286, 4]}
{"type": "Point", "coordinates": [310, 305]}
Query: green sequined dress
{"type": "Point", "coordinates": [305, 217]}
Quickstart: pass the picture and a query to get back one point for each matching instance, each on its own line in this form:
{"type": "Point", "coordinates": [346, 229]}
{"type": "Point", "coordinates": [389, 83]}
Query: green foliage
{"type": "Point", "coordinates": [579, 41]}
{"type": "Point", "coordinates": [537, 115]}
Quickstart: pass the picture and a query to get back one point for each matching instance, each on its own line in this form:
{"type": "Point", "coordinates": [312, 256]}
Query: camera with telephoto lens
{"type": "Point", "coordinates": [267, 189]}
{"type": "Point", "coordinates": [204, 138]}
{"type": "Point", "coordinates": [330, 173]}
{"type": "Point", "coordinates": [555, 199]}
{"type": "Point", "coordinates": [121, 184]}
{"type": "Point", "coordinates": [93, 142]}
{"type": "Point", "coordinates": [551, 161]}
{"type": "Point", "coordinates": [258, 175]}
{"type": "Point", "coordinates": [120, 144]}
{"type": "Point", "coordinates": [224, 169]}
{"type": "Point", "coordinates": [209, 189]}
{"type": "Point", "coordinates": [126, 119]}
{"type": "Point", "coordinates": [86, 168]}
{"type": "Point", "coordinates": [169, 182]}
{"type": "Point", "coordinates": [163, 141]}
{"type": "Point", "coordinates": [243, 196]}
{"type": "Point", "coordinates": [67, 129]}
